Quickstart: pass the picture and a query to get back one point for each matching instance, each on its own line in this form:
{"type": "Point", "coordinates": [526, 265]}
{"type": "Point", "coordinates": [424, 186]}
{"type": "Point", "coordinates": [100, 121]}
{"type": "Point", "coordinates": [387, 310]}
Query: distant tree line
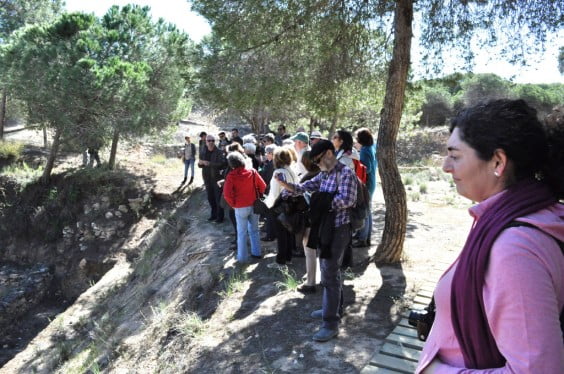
{"type": "Point", "coordinates": [433, 102]}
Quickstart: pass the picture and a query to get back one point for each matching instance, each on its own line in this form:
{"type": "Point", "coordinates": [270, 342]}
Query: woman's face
{"type": "Point", "coordinates": [474, 178]}
{"type": "Point", "coordinates": [337, 142]}
{"type": "Point", "coordinates": [269, 156]}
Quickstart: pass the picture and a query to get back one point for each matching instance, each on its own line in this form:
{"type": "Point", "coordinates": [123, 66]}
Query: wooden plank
{"type": "Point", "coordinates": [406, 331]}
{"type": "Point", "coordinates": [394, 363]}
{"type": "Point", "coordinates": [425, 293]}
{"type": "Point", "coordinates": [405, 323]}
{"type": "Point", "coordinates": [401, 352]}
{"type": "Point", "coordinates": [370, 369]}
{"type": "Point", "coordinates": [421, 299]}
{"type": "Point", "coordinates": [405, 341]}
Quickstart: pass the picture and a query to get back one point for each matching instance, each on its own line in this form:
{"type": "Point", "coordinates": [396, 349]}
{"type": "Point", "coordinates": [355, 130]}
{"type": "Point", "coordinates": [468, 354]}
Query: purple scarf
{"type": "Point", "coordinates": [467, 303]}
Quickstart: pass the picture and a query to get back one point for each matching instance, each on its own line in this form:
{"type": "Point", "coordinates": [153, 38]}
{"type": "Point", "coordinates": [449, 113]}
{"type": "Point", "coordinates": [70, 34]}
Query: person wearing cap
{"type": "Point", "coordinates": [335, 188]}
{"type": "Point", "coordinates": [301, 144]}
{"type": "Point", "coordinates": [314, 137]}
{"type": "Point", "coordinates": [188, 157]}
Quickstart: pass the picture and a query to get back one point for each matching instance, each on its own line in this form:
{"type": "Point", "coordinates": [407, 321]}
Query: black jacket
{"type": "Point", "coordinates": [212, 172]}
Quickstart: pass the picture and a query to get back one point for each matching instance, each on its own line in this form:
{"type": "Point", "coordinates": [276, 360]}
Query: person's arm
{"type": "Point", "coordinates": [346, 190]}
{"type": "Point", "coordinates": [521, 301]}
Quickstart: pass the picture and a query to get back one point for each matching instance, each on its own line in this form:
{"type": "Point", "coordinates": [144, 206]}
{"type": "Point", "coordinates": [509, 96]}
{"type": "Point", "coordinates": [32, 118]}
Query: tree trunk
{"type": "Point", "coordinates": [391, 246]}
{"type": "Point", "coordinates": [3, 113]}
{"type": "Point", "coordinates": [45, 145]}
{"type": "Point", "coordinates": [52, 156]}
{"type": "Point", "coordinates": [113, 151]}
{"type": "Point", "coordinates": [334, 122]}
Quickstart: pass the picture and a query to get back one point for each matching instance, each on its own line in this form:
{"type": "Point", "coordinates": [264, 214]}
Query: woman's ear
{"type": "Point", "coordinates": [499, 163]}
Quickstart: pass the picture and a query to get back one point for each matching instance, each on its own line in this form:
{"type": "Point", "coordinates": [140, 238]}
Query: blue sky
{"type": "Point", "coordinates": [543, 70]}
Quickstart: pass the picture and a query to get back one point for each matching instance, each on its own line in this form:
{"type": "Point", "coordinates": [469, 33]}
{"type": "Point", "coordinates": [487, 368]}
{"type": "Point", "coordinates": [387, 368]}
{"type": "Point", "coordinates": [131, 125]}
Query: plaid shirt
{"type": "Point", "coordinates": [340, 179]}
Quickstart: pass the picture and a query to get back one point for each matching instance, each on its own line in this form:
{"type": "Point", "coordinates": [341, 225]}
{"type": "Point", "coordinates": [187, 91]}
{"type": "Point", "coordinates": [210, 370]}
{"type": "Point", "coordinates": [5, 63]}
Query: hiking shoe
{"type": "Point", "coordinates": [267, 239]}
{"type": "Point", "coordinates": [317, 314]}
{"type": "Point", "coordinates": [305, 289]}
{"type": "Point", "coordinates": [325, 334]}
{"type": "Point", "coordinates": [257, 257]}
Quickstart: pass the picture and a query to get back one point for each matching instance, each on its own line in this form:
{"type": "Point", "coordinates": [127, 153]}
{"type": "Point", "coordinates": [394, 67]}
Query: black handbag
{"type": "Point", "coordinates": [259, 207]}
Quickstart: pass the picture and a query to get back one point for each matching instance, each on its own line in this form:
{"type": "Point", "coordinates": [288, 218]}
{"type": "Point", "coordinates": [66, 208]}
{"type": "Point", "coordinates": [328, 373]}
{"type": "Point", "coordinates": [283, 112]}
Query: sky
{"type": "Point", "coordinates": [543, 70]}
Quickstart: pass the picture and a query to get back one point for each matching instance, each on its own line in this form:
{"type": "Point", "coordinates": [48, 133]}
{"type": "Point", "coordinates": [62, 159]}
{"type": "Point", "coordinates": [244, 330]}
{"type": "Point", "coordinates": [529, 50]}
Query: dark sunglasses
{"type": "Point", "coordinates": [210, 141]}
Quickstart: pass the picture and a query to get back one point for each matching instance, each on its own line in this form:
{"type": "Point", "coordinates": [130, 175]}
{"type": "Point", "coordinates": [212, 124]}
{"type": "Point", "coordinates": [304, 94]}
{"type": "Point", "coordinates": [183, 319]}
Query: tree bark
{"type": "Point", "coordinates": [391, 246]}
{"type": "Point", "coordinates": [52, 156]}
{"type": "Point", "coordinates": [3, 113]}
{"type": "Point", "coordinates": [45, 145]}
{"type": "Point", "coordinates": [113, 151]}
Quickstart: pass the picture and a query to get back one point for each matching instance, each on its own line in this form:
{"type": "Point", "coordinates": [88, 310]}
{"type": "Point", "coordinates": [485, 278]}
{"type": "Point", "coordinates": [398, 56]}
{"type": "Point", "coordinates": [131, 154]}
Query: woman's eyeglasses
{"type": "Point", "coordinates": [210, 141]}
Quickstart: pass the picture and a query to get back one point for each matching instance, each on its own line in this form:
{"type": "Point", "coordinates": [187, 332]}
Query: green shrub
{"type": "Point", "coordinates": [11, 149]}
{"type": "Point", "coordinates": [423, 188]}
{"type": "Point", "coordinates": [407, 180]}
{"type": "Point", "coordinates": [22, 174]}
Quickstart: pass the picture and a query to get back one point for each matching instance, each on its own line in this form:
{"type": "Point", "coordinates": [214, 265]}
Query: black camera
{"type": "Point", "coordinates": [422, 320]}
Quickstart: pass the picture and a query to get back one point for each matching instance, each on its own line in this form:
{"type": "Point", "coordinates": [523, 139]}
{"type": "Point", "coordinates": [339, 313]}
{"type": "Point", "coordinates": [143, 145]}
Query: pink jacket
{"type": "Point", "coordinates": [523, 297]}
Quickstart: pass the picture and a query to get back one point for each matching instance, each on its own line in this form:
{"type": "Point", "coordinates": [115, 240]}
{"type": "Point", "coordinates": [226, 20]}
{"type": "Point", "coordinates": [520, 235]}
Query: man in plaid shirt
{"type": "Point", "coordinates": [338, 179]}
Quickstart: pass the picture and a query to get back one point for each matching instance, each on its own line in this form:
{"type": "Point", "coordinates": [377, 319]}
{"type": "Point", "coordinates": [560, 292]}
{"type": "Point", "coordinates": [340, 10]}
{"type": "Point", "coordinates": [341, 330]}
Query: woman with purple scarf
{"type": "Point", "coordinates": [499, 307]}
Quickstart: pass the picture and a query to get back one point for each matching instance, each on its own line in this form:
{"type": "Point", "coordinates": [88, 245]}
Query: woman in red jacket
{"type": "Point", "coordinates": [240, 191]}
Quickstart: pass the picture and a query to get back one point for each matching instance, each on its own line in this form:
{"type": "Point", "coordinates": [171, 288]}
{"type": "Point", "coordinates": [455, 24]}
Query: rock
{"type": "Point", "coordinates": [109, 215]}
{"type": "Point", "coordinates": [123, 208]}
{"type": "Point", "coordinates": [86, 209]}
{"type": "Point", "coordinates": [117, 213]}
{"type": "Point", "coordinates": [96, 206]}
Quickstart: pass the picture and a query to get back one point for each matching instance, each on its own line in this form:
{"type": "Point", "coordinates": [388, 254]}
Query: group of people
{"type": "Point", "coordinates": [500, 305]}
{"type": "Point", "coordinates": [303, 187]}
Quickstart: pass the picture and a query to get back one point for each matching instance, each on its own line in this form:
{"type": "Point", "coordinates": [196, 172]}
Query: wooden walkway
{"type": "Point", "coordinates": [402, 348]}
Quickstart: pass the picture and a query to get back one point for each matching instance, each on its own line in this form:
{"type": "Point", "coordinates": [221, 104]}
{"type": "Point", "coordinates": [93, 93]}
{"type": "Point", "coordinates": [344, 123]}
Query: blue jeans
{"type": "Point", "coordinates": [247, 225]}
{"type": "Point", "coordinates": [188, 164]}
{"type": "Point", "coordinates": [331, 280]}
{"type": "Point", "coordinates": [366, 232]}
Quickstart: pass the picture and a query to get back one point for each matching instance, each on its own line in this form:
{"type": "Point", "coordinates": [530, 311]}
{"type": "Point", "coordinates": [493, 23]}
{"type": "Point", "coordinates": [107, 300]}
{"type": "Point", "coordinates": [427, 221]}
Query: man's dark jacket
{"type": "Point", "coordinates": [212, 172]}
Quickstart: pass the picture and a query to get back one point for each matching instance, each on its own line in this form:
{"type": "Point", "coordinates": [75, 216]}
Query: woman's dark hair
{"type": "Point", "coordinates": [308, 162]}
{"type": "Point", "coordinates": [347, 139]}
{"type": "Point", "coordinates": [512, 125]}
{"type": "Point", "coordinates": [282, 157]}
{"type": "Point", "coordinates": [364, 137]}
{"type": "Point", "coordinates": [235, 147]}
{"type": "Point", "coordinates": [235, 160]}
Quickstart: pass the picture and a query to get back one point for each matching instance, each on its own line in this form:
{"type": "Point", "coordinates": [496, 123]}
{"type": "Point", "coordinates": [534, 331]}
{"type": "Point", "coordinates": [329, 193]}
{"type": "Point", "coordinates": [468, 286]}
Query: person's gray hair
{"type": "Point", "coordinates": [249, 139]}
{"type": "Point", "coordinates": [212, 136]}
{"type": "Point", "coordinates": [235, 160]}
{"type": "Point", "coordinates": [270, 148]}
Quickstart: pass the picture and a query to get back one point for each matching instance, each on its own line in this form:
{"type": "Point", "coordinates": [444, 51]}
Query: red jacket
{"type": "Point", "coordinates": [239, 190]}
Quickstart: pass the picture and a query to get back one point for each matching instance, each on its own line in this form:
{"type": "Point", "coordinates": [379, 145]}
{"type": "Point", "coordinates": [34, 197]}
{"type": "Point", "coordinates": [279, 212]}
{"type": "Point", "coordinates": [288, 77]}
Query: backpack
{"type": "Point", "coordinates": [360, 170]}
{"type": "Point", "coordinates": [361, 209]}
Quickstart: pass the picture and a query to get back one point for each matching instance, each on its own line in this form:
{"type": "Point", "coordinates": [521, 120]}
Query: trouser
{"type": "Point", "coordinates": [331, 279]}
{"type": "Point", "coordinates": [366, 232]}
{"type": "Point", "coordinates": [286, 242]}
{"type": "Point", "coordinates": [187, 165]}
{"type": "Point", "coordinates": [270, 225]}
{"type": "Point", "coordinates": [247, 226]}
{"type": "Point", "coordinates": [214, 194]}
{"type": "Point", "coordinates": [311, 260]}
